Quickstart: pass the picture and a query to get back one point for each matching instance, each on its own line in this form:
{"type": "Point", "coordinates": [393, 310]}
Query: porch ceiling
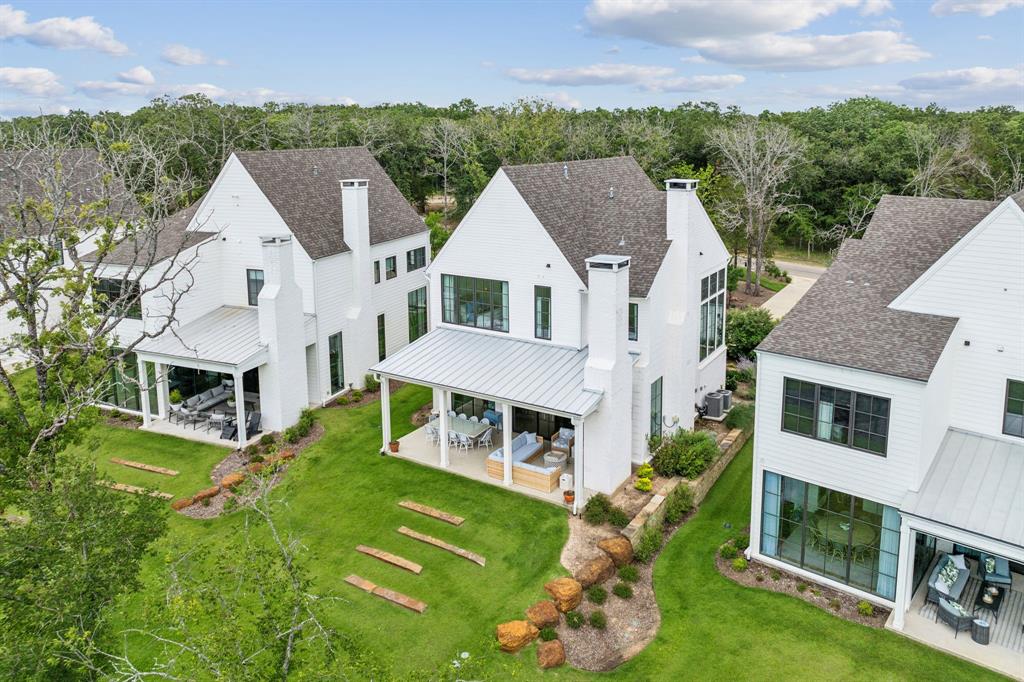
{"type": "Point", "coordinates": [974, 484]}
{"type": "Point", "coordinates": [534, 375]}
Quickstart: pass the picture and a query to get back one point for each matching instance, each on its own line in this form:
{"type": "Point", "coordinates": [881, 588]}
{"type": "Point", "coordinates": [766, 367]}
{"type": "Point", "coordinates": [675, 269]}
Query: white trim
{"type": "Point", "coordinates": [711, 358]}
{"type": "Point", "coordinates": [846, 367]}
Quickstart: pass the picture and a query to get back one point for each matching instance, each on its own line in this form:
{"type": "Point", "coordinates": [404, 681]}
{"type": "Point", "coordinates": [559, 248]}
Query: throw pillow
{"type": "Point", "coordinates": [958, 561]}
{"type": "Point", "coordinates": [949, 573]}
{"type": "Point", "coordinates": [990, 564]}
{"type": "Point", "coordinates": [960, 611]}
{"type": "Point", "coordinates": [942, 587]}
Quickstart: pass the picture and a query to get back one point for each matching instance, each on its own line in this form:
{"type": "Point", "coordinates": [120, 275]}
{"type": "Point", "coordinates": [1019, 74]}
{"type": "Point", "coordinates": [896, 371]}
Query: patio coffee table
{"type": "Point", "coordinates": [997, 601]}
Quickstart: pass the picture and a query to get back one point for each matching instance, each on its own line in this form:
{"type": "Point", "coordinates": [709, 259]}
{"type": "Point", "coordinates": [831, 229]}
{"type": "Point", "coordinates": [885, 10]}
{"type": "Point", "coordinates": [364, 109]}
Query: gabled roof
{"type": "Point", "coordinates": [583, 220]}
{"type": "Point", "coordinates": [1019, 198]}
{"type": "Point", "coordinates": [304, 186]}
{"type": "Point", "coordinates": [844, 318]}
{"type": "Point", "coordinates": [164, 240]}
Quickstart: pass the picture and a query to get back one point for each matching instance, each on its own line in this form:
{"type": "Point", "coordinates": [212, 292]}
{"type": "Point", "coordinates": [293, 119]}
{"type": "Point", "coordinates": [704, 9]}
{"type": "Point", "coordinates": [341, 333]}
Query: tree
{"type": "Point", "coordinates": [745, 329]}
{"type": "Point", "coordinates": [448, 144]}
{"type": "Point", "coordinates": [760, 157]}
{"type": "Point", "coordinates": [941, 158]}
{"type": "Point", "coordinates": [861, 203]}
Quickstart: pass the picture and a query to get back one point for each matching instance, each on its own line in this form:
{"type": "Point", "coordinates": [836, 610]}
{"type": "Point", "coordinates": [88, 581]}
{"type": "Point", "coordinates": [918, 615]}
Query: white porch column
{"type": "Point", "coordinates": [577, 465]}
{"type": "Point", "coordinates": [239, 408]}
{"type": "Point", "coordinates": [506, 442]}
{"type": "Point", "coordinates": [147, 418]}
{"type": "Point", "coordinates": [904, 573]}
{"type": "Point", "coordinates": [443, 427]}
{"type": "Point", "coordinates": [385, 412]}
{"type": "Point", "coordinates": [162, 391]}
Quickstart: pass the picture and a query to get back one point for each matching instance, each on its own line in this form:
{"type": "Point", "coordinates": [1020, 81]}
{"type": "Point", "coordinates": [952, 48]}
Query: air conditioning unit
{"type": "Point", "coordinates": [565, 482]}
{"type": "Point", "coordinates": [713, 403]}
{"type": "Point", "coordinates": [726, 399]}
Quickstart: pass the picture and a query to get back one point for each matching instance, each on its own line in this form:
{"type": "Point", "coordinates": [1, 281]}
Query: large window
{"type": "Point", "coordinates": [254, 284]}
{"type": "Point", "coordinates": [119, 292]}
{"type": "Point", "coordinates": [391, 267]}
{"type": "Point", "coordinates": [834, 534]}
{"type": "Point", "coordinates": [474, 302]}
{"type": "Point", "coordinates": [336, 360]}
{"type": "Point", "coordinates": [656, 409]}
{"type": "Point", "coordinates": [542, 312]}
{"type": "Point", "coordinates": [415, 259]}
{"type": "Point", "coordinates": [1013, 416]}
{"type": "Point", "coordinates": [634, 321]}
{"type": "Point", "coordinates": [712, 313]}
{"type": "Point", "coordinates": [857, 420]}
{"type": "Point", "coordinates": [382, 339]}
{"type": "Point", "coordinates": [417, 313]}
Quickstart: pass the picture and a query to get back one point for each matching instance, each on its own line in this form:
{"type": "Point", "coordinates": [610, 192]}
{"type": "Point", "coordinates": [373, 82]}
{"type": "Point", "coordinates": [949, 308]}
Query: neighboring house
{"type": "Point", "coordinates": [890, 407]}
{"type": "Point", "coordinates": [573, 295]}
{"type": "Point", "coordinates": [306, 268]}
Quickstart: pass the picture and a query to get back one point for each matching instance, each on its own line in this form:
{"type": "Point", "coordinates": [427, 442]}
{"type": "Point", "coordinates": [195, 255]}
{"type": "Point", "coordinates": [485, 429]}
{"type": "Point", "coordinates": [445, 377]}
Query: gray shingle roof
{"type": "Point", "coordinates": [304, 186]}
{"type": "Point", "coordinates": [163, 240]}
{"type": "Point", "coordinates": [1019, 198]}
{"type": "Point", "coordinates": [583, 221]}
{"type": "Point", "coordinates": [844, 319]}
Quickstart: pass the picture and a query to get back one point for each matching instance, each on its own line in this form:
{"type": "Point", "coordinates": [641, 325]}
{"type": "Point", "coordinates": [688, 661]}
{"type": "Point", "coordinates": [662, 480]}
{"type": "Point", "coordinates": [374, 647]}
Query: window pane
{"type": "Point", "coordinates": [634, 321]}
{"type": "Point", "coordinates": [542, 312]}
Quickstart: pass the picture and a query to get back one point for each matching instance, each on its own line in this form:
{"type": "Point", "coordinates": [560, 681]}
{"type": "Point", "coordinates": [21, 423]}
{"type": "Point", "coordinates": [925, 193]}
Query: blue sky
{"type": "Point", "coordinates": [758, 55]}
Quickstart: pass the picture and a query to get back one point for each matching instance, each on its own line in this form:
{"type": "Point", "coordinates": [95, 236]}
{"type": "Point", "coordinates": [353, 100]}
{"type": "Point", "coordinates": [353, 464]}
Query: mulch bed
{"type": "Point", "coordinates": [741, 299]}
{"type": "Point", "coordinates": [764, 577]}
{"type": "Point", "coordinates": [125, 421]}
{"type": "Point", "coordinates": [367, 397]}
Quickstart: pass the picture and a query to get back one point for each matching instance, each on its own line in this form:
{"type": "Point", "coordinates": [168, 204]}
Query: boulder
{"type": "Point", "coordinates": [595, 571]}
{"type": "Point", "coordinates": [232, 480]}
{"type": "Point", "coordinates": [550, 654]}
{"type": "Point", "coordinates": [618, 548]}
{"type": "Point", "coordinates": [566, 592]}
{"type": "Point", "coordinates": [543, 614]}
{"type": "Point", "coordinates": [205, 494]}
{"type": "Point", "coordinates": [255, 467]}
{"type": "Point", "coordinates": [178, 505]}
{"type": "Point", "coordinates": [515, 634]}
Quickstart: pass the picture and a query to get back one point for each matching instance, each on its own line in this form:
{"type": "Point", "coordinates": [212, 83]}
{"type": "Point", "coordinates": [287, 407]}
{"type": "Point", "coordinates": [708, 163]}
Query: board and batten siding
{"type": "Point", "coordinates": [981, 282]}
{"type": "Point", "coordinates": [501, 239]}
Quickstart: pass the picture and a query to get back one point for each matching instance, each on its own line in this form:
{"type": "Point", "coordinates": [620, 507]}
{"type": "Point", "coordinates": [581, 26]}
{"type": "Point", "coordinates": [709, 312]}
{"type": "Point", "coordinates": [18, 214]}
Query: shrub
{"type": "Point", "coordinates": [175, 397]}
{"type": "Point", "coordinates": [728, 551]}
{"type": "Point", "coordinates": [801, 587]}
{"type": "Point", "coordinates": [645, 470]}
{"type": "Point", "coordinates": [267, 439]}
{"type": "Point", "coordinates": [230, 504]}
{"type": "Point", "coordinates": [741, 417]}
{"type": "Point", "coordinates": [205, 502]}
{"type": "Point", "coordinates": [775, 574]}
{"type": "Point", "coordinates": [252, 450]}
{"type": "Point", "coordinates": [686, 453]}
{"type": "Point", "coordinates": [759, 578]}
{"type": "Point", "coordinates": [598, 621]}
{"type": "Point", "coordinates": [678, 504]}
{"type": "Point", "coordinates": [739, 564]}
{"type": "Point", "coordinates": [255, 459]}
{"type": "Point", "coordinates": [618, 517]}
{"type": "Point", "coordinates": [816, 592]}
{"type": "Point", "coordinates": [835, 604]}
{"type": "Point", "coordinates": [865, 608]}
{"type": "Point", "coordinates": [643, 485]}
{"type": "Point", "coordinates": [548, 634]}
{"type": "Point", "coordinates": [730, 380]}
{"type": "Point", "coordinates": [114, 414]}
{"type": "Point", "coordinates": [574, 619]}
{"type": "Point", "coordinates": [357, 395]}
{"type": "Point", "coordinates": [622, 590]}
{"type": "Point", "coordinates": [648, 543]}
{"type": "Point", "coordinates": [596, 594]}
{"type": "Point", "coordinates": [344, 400]}
{"type": "Point", "coordinates": [595, 511]}
{"type": "Point", "coordinates": [628, 573]}
{"type": "Point", "coordinates": [733, 277]}
{"type": "Point", "coordinates": [291, 435]}
{"type": "Point", "coordinates": [742, 541]}
{"type": "Point", "coordinates": [370, 383]}
{"type": "Point", "coordinates": [745, 329]}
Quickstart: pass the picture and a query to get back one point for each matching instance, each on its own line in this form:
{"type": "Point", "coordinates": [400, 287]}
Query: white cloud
{"type": "Point", "coordinates": [31, 107]}
{"type": "Point", "coordinates": [984, 36]}
{"type": "Point", "coordinates": [753, 33]}
{"type": "Point", "coordinates": [562, 99]}
{"type": "Point", "coordinates": [695, 59]}
{"type": "Point", "coordinates": [985, 8]}
{"type": "Point", "coordinates": [595, 74]}
{"type": "Point", "coordinates": [31, 81]}
{"type": "Point", "coordinates": [63, 33]}
{"type": "Point", "coordinates": [137, 74]}
{"type": "Point", "coordinates": [183, 55]}
{"type": "Point", "coordinates": [695, 83]}
{"type": "Point", "coordinates": [974, 80]}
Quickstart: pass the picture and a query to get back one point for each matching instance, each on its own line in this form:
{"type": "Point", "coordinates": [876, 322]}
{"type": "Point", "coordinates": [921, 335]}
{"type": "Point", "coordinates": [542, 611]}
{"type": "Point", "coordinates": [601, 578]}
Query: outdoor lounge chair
{"type": "Point", "coordinates": [1000, 573]}
{"type": "Point", "coordinates": [952, 616]}
{"type": "Point", "coordinates": [252, 424]}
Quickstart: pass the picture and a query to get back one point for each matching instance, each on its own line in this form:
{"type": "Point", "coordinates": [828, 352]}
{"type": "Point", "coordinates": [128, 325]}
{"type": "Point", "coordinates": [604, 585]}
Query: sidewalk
{"type": "Point", "coordinates": [782, 302]}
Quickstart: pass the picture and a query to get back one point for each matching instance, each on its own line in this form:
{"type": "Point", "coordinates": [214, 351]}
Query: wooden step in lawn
{"type": "Point", "coordinates": [389, 558]}
{"type": "Point", "coordinates": [458, 551]}
{"type": "Point", "coordinates": [402, 600]}
{"type": "Point", "coordinates": [143, 466]}
{"type": "Point", "coordinates": [432, 513]}
{"type": "Point", "coordinates": [135, 490]}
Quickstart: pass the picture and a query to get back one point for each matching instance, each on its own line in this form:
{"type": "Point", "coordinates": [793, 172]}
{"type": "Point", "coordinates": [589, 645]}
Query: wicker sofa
{"type": "Point", "coordinates": [525, 446]}
{"type": "Point", "coordinates": [955, 590]}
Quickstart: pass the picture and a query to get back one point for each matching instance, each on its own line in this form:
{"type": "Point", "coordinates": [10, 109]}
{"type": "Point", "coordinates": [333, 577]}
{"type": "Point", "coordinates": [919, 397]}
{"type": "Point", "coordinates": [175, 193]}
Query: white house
{"type": "Point", "coordinates": [310, 269]}
{"type": "Point", "coordinates": [572, 296]}
{"type": "Point", "coordinates": [890, 418]}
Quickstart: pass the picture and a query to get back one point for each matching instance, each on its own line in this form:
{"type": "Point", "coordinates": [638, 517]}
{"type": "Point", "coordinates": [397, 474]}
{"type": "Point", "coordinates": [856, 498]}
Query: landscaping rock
{"type": "Point", "coordinates": [286, 455]}
{"type": "Point", "coordinates": [596, 571]}
{"type": "Point", "coordinates": [515, 634]}
{"type": "Point", "coordinates": [232, 480]}
{"type": "Point", "coordinates": [178, 505]}
{"type": "Point", "coordinates": [566, 592]}
{"type": "Point", "coordinates": [543, 614]}
{"type": "Point", "coordinates": [550, 654]}
{"type": "Point", "coordinates": [619, 549]}
{"type": "Point", "coordinates": [255, 467]}
{"type": "Point", "coordinates": [207, 493]}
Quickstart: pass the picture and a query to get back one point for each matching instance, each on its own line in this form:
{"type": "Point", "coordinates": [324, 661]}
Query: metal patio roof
{"type": "Point", "coordinates": [227, 335]}
{"type": "Point", "coordinates": [529, 374]}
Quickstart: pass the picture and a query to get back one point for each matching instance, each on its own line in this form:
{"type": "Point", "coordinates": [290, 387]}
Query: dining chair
{"type": "Point", "coordinates": [431, 432]}
{"type": "Point", "coordinates": [485, 421]}
{"type": "Point", "coordinates": [462, 415]}
{"type": "Point", "coordinates": [451, 413]}
{"type": "Point", "coordinates": [464, 442]}
{"type": "Point", "coordinates": [474, 419]}
{"type": "Point", "coordinates": [485, 439]}
{"type": "Point", "coordinates": [453, 438]}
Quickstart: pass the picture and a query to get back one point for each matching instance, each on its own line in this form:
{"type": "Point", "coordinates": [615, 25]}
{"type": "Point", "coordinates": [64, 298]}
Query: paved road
{"type": "Point", "coordinates": [803, 275]}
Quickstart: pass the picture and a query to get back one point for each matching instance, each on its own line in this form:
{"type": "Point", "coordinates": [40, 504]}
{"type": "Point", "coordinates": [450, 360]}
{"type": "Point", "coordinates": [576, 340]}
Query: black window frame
{"type": "Point", "coordinates": [416, 258]}
{"type": "Point", "coordinates": [376, 272]}
{"type": "Point", "coordinates": [382, 337]}
{"type": "Point", "coordinates": [253, 297]}
{"type": "Point", "coordinates": [416, 300]}
{"type": "Point", "coordinates": [454, 292]}
{"type": "Point", "coordinates": [866, 412]}
{"type": "Point", "coordinates": [119, 291]}
{"type": "Point", "coordinates": [336, 373]}
{"type": "Point", "coordinates": [391, 267]}
{"type": "Point", "coordinates": [541, 327]}
{"type": "Point", "coordinates": [711, 335]}
{"type": "Point", "coordinates": [1006, 407]}
{"type": "Point", "coordinates": [634, 322]}
{"type": "Point", "coordinates": [657, 389]}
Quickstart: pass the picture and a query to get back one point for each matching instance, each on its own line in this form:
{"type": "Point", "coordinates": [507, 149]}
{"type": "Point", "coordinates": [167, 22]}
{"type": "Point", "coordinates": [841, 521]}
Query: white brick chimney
{"type": "Point", "coordinates": [609, 369]}
{"type": "Point", "coordinates": [682, 209]}
{"type": "Point", "coordinates": [360, 347]}
{"type": "Point", "coordinates": [282, 329]}
{"type": "Point", "coordinates": [679, 195]}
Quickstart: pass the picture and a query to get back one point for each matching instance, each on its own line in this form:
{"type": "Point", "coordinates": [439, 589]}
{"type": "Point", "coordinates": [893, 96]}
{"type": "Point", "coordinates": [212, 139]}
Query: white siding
{"type": "Point", "coordinates": [391, 295]}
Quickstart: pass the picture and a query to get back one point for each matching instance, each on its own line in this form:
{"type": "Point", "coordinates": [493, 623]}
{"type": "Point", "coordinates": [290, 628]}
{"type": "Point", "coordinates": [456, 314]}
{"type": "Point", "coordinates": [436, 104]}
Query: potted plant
{"type": "Point", "coordinates": [175, 398]}
{"type": "Point", "coordinates": [394, 446]}
{"type": "Point", "coordinates": [569, 496]}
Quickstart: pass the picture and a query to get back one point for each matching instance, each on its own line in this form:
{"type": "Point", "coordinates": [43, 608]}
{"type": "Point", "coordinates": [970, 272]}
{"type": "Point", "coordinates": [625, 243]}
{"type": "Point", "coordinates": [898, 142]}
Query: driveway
{"type": "Point", "coordinates": [803, 276]}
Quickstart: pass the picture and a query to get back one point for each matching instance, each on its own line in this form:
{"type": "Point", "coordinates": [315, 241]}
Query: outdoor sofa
{"type": "Point", "coordinates": [955, 590]}
{"type": "Point", "coordinates": [536, 476]}
{"type": "Point", "coordinates": [208, 398]}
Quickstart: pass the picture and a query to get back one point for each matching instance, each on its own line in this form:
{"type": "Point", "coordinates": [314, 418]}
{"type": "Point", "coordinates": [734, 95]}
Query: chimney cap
{"type": "Point", "coordinates": [276, 240]}
{"type": "Point", "coordinates": [355, 182]}
{"type": "Point", "coordinates": [685, 184]}
{"type": "Point", "coordinates": [607, 262]}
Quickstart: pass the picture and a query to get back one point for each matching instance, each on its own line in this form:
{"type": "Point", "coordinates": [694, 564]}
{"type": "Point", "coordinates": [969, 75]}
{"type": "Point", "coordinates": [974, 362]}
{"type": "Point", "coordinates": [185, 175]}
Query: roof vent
{"type": "Point", "coordinates": [316, 171]}
{"type": "Point", "coordinates": [622, 240]}
{"type": "Point", "coordinates": [565, 170]}
{"type": "Point", "coordinates": [611, 192]}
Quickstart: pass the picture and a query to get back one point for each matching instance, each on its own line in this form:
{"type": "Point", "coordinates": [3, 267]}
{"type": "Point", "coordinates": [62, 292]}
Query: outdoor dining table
{"type": "Point", "coordinates": [837, 530]}
{"type": "Point", "coordinates": [464, 426]}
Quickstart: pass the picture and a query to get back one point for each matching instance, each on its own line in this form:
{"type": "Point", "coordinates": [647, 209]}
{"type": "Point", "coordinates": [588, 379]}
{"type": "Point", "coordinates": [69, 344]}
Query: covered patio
{"type": "Point", "coordinates": [509, 382]}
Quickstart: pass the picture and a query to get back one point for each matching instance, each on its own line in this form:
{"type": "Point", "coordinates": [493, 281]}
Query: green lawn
{"type": "Point", "coordinates": [797, 255]}
{"type": "Point", "coordinates": [767, 282]}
